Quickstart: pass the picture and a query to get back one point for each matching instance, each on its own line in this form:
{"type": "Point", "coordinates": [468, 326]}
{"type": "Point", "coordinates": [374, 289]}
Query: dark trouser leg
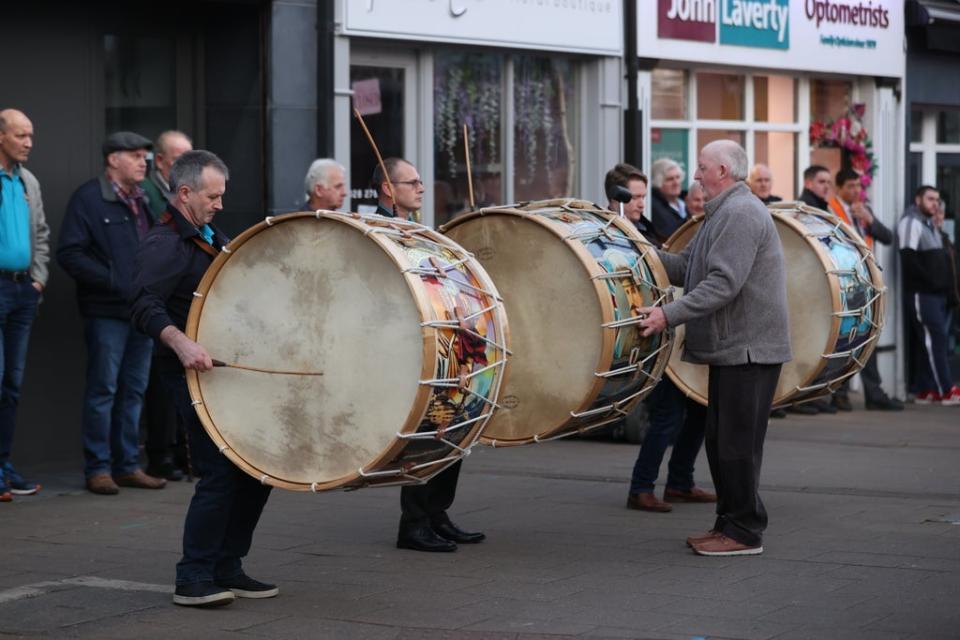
{"type": "Point", "coordinates": [225, 507]}
{"type": "Point", "coordinates": [870, 376]}
{"type": "Point", "coordinates": [419, 504]}
{"type": "Point", "coordinates": [740, 399]}
{"type": "Point", "coordinates": [665, 405]}
{"type": "Point", "coordinates": [931, 315]}
{"type": "Point", "coordinates": [18, 307]}
{"type": "Point", "coordinates": [161, 419]}
{"type": "Point", "coordinates": [687, 446]}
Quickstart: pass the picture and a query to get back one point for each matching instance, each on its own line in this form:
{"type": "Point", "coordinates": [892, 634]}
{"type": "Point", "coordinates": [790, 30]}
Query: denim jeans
{"type": "Point", "coordinates": [18, 307]}
{"type": "Point", "coordinates": [118, 367]}
{"type": "Point", "coordinates": [226, 504]}
{"type": "Point", "coordinates": [673, 420]}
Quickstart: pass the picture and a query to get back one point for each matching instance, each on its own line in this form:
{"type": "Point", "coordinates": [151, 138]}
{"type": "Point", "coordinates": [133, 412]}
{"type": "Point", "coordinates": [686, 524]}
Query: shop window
{"type": "Point", "coordinates": [673, 144]}
{"type": "Point", "coordinates": [720, 96]}
{"type": "Point", "coordinates": [706, 136]}
{"type": "Point", "coordinates": [916, 126]}
{"type": "Point", "coordinates": [948, 181]}
{"type": "Point", "coordinates": [948, 127]}
{"type": "Point", "coordinates": [829, 99]}
{"type": "Point", "coordinates": [468, 89]}
{"type": "Point", "coordinates": [669, 99]}
{"type": "Point", "coordinates": [774, 99]}
{"type": "Point", "coordinates": [544, 128]}
{"type": "Point", "coordinates": [140, 84]}
{"type": "Point", "coordinates": [778, 150]}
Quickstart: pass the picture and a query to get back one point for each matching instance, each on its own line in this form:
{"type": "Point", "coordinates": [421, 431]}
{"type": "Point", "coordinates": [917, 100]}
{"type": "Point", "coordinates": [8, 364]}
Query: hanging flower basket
{"type": "Point", "coordinates": [848, 134]}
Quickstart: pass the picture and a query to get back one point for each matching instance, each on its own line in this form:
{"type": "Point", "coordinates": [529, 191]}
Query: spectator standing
{"type": "Point", "coordinates": [927, 278]}
{"type": "Point", "coordinates": [325, 185]}
{"type": "Point", "coordinates": [105, 221]}
{"type": "Point", "coordinates": [695, 199]}
{"type": "Point", "coordinates": [170, 145]}
{"type": "Point", "coordinates": [24, 254]}
{"type": "Point", "coordinates": [669, 210]}
{"type": "Point", "coordinates": [760, 182]}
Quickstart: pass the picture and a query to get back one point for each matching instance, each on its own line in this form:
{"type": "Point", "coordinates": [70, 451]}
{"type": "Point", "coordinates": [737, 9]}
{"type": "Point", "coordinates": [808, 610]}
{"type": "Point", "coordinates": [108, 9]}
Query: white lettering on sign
{"type": "Point", "coordinates": [756, 14]}
{"type": "Point", "coordinates": [693, 10]}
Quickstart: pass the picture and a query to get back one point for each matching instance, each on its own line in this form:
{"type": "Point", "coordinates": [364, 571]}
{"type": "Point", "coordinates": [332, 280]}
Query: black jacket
{"type": "Point", "coordinates": [98, 242]}
{"type": "Point", "coordinates": [812, 199]}
{"type": "Point", "coordinates": [665, 218]}
{"type": "Point", "coordinates": [169, 266]}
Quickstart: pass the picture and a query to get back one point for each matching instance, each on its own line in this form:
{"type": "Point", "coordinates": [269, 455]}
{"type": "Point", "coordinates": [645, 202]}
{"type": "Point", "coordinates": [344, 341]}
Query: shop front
{"type": "Point", "coordinates": [537, 84]}
{"type": "Point", "coordinates": [795, 83]}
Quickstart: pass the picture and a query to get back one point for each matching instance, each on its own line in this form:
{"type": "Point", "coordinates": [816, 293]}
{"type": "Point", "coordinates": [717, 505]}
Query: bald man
{"type": "Point", "coordinates": [169, 146]}
{"type": "Point", "coordinates": [734, 307]}
{"type": "Point", "coordinates": [24, 254]}
{"type": "Point", "coordinates": [760, 181]}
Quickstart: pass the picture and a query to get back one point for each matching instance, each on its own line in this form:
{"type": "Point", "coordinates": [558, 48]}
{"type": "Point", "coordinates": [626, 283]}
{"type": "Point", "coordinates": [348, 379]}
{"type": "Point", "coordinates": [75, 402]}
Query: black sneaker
{"type": "Point", "coordinates": [243, 586]}
{"type": "Point", "coordinates": [202, 594]}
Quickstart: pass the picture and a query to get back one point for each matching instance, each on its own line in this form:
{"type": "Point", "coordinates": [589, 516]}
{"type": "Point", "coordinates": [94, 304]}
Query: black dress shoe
{"type": "Point", "coordinates": [885, 404]}
{"type": "Point", "coordinates": [824, 406]}
{"type": "Point", "coordinates": [805, 409]}
{"type": "Point", "coordinates": [423, 538]}
{"type": "Point", "coordinates": [778, 413]}
{"type": "Point", "coordinates": [449, 531]}
{"type": "Point", "coordinates": [842, 402]}
{"type": "Point", "coordinates": [166, 470]}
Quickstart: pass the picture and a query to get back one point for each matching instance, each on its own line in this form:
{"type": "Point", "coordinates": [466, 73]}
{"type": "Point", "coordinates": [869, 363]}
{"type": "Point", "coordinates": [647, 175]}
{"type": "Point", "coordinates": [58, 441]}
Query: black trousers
{"type": "Point", "coordinates": [737, 414]}
{"type": "Point", "coordinates": [425, 503]}
{"type": "Point", "coordinates": [870, 376]}
{"type": "Point", "coordinates": [164, 428]}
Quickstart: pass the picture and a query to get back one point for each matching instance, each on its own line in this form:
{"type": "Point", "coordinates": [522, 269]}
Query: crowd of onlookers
{"type": "Point", "coordinates": [107, 217]}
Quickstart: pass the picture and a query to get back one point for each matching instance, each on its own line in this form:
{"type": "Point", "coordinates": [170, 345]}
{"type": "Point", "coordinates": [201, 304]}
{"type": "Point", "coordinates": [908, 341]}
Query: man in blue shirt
{"type": "Point", "coordinates": [24, 254]}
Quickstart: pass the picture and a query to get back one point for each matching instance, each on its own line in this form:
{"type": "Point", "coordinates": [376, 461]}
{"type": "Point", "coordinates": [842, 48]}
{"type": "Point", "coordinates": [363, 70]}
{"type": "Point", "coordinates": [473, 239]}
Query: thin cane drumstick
{"type": "Point", "coordinates": [466, 153]}
{"type": "Point", "coordinates": [233, 365]}
{"type": "Point", "coordinates": [376, 152]}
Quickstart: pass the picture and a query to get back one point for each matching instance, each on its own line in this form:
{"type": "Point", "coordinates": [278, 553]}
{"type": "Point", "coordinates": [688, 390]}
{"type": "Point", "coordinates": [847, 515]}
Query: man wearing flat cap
{"type": "Point", "coordinates": [105, 221]}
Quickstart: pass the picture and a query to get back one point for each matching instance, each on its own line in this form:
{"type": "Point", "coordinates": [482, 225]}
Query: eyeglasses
{"type": "Point", "coordinates": [411, 183]}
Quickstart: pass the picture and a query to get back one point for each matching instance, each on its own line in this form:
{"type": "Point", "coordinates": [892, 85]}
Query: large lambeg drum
{"type": "Point", "coordinates": [835, 296]}
{"type": "Point", "coordinates": [572, 277]}
{"type": "Point", "coordinates": [378, 348]}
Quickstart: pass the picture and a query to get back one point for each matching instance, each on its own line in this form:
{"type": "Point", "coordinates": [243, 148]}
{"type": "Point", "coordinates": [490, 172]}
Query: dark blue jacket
{"type": "Point", "coordinates": [98, 246]}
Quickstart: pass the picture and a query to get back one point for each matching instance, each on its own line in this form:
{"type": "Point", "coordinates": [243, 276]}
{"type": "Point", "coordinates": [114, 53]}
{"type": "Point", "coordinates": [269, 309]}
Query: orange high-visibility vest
{"type": "Point", "coordinates": [838, 209]}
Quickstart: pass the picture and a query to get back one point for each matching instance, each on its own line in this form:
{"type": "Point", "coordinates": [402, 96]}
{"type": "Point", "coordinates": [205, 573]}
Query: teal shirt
{"type": "Point", "coordinates": [14, 223]}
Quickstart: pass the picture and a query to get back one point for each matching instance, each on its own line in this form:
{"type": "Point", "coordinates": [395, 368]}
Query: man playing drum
{"type": "Point", "coordinates": [424, 523]}
{"type": "Point", "coordinates": [735, 311]}
{"type": "Point", "coordinates": [227, 502]}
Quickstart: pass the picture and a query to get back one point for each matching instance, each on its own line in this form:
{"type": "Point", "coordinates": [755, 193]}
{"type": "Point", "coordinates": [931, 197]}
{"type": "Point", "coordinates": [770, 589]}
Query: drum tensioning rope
{"type": "Point", "coordinates": [233, 365]}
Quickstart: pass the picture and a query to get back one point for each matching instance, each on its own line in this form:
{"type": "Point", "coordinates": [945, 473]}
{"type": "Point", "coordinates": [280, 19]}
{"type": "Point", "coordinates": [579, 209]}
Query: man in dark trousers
{"type": "Point", "coordinates": [735, 310]}
{"type": "Point", "coordinates": [227, 502]}
{"type": "Point", "coordinates": [424, 523]}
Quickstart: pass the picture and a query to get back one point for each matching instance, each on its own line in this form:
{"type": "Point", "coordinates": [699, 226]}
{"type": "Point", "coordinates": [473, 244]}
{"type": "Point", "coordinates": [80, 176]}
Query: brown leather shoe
{"type": "Point", "coordinates": [721, 545]}
{"type": "Point", "coordinates": [692, 540]}
{"type": "Point", "coordinates": [646, 501]}
{"type": "Point", "coordinates": [696, 494]}
{"type": "Point", "coordinates": [139, 480]}
{"type": "Point", "coordinates": [102, 484]}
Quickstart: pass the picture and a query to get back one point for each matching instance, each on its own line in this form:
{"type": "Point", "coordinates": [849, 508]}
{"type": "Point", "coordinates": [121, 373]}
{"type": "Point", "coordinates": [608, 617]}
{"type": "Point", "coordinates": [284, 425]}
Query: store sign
{"type": "Point", "coordinates": [687, 20]}
{"type": "Point", "coordinates": [754, 23]}
{"type": "Point", "coordinates": [576, 26]}
{"type": "Point", "coordinates": [856, 37]}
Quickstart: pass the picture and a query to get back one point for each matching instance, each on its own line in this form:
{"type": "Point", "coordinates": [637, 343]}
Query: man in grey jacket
{"type": "Point", "coordinates": [24, 254]}
{"type": "Point", "coordinates": [735, 310]}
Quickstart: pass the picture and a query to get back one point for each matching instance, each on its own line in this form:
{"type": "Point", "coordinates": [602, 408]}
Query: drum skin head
{"type": "Point", "coordinates": [810, 302]}
{"type": "Point", "coordinates": [308, 296]}
{"type": "Point", "coordinates": [555, 321]}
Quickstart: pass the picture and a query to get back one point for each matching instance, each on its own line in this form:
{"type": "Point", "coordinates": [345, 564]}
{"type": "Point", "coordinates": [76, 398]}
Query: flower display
{"type": "Point", "coordinates": [848, 134]}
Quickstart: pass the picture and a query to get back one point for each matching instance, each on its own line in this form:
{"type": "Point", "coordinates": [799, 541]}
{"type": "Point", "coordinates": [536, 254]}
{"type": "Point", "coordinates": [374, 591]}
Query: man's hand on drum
{"type": "Point", "coordinates": [191, 354]}
{"type": "Point", "coordinates": [654, 321]}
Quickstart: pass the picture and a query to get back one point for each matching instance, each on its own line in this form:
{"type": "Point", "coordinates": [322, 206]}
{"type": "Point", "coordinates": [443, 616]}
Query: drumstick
{"type": "Point", "coordinates": [466, 154]}
{"type": "Point", "coordinates": [376, 152]}
{"type": "Point", "coordinates": [221, 363]}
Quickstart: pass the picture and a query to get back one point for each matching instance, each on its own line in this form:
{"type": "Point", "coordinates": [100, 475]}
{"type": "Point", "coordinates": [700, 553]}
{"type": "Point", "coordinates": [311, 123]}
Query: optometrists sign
{"type": "Point", "coordinates": [841, 36]}
{"type": "Point", "coordinates": [577, 26]}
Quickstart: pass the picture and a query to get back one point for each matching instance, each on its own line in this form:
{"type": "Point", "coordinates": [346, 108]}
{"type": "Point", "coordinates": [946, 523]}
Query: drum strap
{"type": "Point", "coordinates": [206, 247]}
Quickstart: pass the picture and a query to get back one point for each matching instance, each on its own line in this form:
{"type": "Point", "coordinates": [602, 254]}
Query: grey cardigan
{"type": "Point", "coordinates": [39, 231]}
{"type": "Point", "coordinates": [735, 287]}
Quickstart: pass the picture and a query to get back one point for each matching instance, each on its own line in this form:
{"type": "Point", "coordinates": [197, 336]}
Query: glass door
{"type": "Point", "coordinates": [384, 91]}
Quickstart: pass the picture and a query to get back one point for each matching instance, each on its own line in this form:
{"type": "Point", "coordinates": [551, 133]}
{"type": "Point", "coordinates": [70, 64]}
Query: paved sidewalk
{"type": "Point", "coordinates": [863, 543]}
